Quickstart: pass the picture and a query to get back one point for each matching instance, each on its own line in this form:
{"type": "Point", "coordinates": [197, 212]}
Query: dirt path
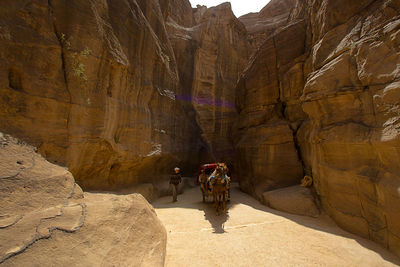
{"type": "Point", "coordinates": [254, 235]}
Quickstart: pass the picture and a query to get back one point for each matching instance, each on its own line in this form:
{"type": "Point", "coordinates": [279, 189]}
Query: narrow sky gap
{"type": "Point", "coordinates": [239, 7]}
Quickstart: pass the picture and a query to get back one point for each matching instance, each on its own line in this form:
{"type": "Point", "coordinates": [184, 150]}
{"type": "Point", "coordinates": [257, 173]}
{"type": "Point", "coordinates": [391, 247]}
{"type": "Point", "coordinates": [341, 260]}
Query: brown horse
{"type": "Point", "coordinates": [219, 189]}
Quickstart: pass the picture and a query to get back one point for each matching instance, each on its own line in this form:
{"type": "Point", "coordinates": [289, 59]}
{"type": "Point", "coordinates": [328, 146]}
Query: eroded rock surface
{"type": "Point", "coordinates": [261, 25]}
{"type": "Point", "coordinates": [46, 219]}
{"type": "Point", "coordinates": [93, 85]}
{"type": "Point", "coordinates": [211, 54]}
{"type": "Point", "coordinates": [270, 113]}
{"type": "Point", "coordinates": [351, 99]}
{"type": "Point", "coordinates": [218, 61]}
{"type": "Point", "coordinates": [120, 91]}
{"type": "Point", "coordinates": [330, 76]}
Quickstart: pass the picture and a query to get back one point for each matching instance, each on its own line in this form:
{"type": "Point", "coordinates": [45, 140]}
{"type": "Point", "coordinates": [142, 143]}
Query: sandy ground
{"type": "Point", "coordinates": [254, 235]}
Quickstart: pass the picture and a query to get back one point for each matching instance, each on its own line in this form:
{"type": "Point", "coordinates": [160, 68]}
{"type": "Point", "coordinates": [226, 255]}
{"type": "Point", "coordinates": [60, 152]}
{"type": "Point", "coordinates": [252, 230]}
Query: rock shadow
{"type": "Point", "coordinates": [192, 200]}
{"type": "Point", "coordinates": [322, 223]}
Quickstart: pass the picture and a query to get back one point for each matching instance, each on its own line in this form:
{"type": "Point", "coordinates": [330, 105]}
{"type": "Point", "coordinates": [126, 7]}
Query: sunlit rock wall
{"type": "Point", "coordinates": [321, 97]}
{"type": "Point", "coordinates": [351, 97]}
{"type": "Point", "coordinates": [93, 84]}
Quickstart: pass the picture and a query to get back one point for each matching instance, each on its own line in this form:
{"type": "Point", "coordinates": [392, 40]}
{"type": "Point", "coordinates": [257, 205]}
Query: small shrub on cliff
{"type": "Point", "coordinates": [78, 67]}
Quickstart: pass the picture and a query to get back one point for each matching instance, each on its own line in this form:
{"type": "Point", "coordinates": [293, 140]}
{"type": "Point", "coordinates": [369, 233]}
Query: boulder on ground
{"type": "Point", "coordinates": [46, 219]}
{"type": "Point", "coordinates": [295, 199]}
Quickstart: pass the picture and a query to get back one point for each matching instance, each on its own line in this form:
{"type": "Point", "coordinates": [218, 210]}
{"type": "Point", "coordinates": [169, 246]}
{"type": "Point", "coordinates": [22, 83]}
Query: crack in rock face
{"type": "Point", "coordinates": [36, 198]}
{"type": "Point", "coordinates": [37, 225]}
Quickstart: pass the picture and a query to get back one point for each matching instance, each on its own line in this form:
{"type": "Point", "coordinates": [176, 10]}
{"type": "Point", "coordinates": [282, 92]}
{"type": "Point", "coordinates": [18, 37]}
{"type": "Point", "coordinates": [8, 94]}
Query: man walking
{"type": "Point", "coordinates": [174, 181]}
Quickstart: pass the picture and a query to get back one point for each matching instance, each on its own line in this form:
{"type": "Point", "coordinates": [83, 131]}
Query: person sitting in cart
{"type": "Point", "coordinates": [221, 171]}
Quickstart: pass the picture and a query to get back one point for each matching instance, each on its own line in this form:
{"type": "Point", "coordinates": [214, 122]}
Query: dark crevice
{"type": "Point", "coordinates": [282, 106]}
{"type": "Point", "coordinates": [15, 79]}
{"type": "Point", "coordinates": [13, 223]}
{"type": "Point", "coordinates": [283, 109]}
{"type": "Point", "coordinates": [298, 148]}
{"type": "Point", "coordinates": [58, 36]}
{"type": "Point", "coordinates": [63, 59]}
{"type": "Point", "coordinates": [277, 68]}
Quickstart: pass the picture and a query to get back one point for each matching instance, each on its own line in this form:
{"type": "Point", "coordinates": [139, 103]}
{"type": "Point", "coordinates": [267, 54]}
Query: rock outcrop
{"type": "Point", "coordinates": [46, 219]}
{"type": "Point", "coordinates": [295, 200]}
{"type": "Point", "coordinates": [321, 97]}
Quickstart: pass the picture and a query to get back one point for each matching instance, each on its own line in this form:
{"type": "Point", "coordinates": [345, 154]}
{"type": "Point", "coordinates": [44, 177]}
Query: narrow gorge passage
{"type": "Point", "coordinates": [105, 97]}
{"type": "Point", "coordinates": [254, 235]}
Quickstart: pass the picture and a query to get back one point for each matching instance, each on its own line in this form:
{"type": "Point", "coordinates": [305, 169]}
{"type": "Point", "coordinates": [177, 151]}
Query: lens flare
{"type": "Point", "coordinates": [206, 101]}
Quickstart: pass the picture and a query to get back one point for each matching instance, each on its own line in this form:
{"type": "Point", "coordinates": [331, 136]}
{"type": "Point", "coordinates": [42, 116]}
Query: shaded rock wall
{"type": "Point", "coordinates": [320, 97]}
{"type": "Point", "coordinates": [219, 59]}
{"type": "Point", "coordinates": [210, 56]}
{"type": "Point", "coordinates": [270, 113]}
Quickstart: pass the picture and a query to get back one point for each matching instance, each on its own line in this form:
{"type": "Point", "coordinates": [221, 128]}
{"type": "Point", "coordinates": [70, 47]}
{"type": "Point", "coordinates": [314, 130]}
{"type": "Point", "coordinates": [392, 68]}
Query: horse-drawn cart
{"type": "Point", "coordinates": [214, 182]}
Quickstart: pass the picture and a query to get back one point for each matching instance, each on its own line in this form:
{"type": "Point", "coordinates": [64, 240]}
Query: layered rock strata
{"type": "Point", "coordinates": [270, 113]}
{"type": "Point", "coordinates": [321, 98]}
{"type": "Point", "coordinates": [121, 91]}
{"type": "Point", "coordinates": [210, 56]}
{"type": "Point", "coordinates": [93, 85]}
{"type": "Point", "coordinates": [46, 219]}
{"type": "Point", "coordinates": [260, 26]}
{"type": "Point", "coordinates": [351, 97]}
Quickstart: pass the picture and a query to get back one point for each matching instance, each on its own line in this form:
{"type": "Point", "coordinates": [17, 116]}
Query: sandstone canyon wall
{"type": "Point", "coordinates": [320, 97]}
{"type": "Point", "coordinates": [351, 96]}
{"type": "Point", "coordinates": [93, 84]}
{"type": "Point", "coordinates": [263, 24]}
{"type": "Point", "coordinates": [121, 91]}
{"type": "Point", "coordinates": [211, 54]}
{"type": "Point", "coordinates": [270, 112]}
{"type": "Point", "coordinates": [106, 87]}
